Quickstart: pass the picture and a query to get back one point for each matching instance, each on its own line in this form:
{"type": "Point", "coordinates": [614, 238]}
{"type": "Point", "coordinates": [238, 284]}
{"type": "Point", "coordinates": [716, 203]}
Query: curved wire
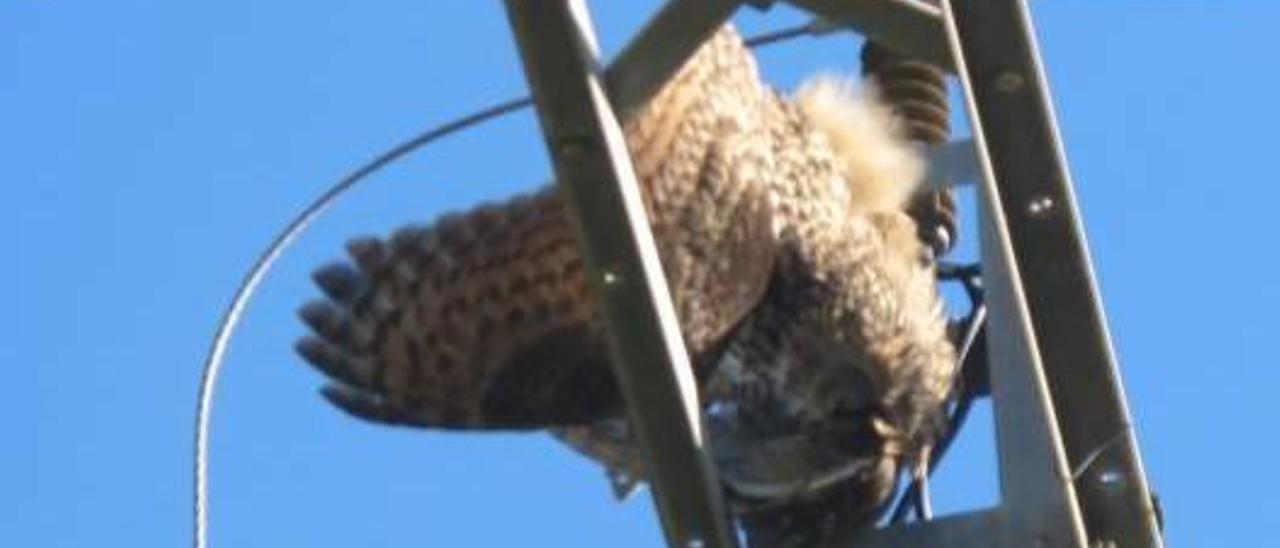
{"type": "Point", "coordinates": [231, 315]}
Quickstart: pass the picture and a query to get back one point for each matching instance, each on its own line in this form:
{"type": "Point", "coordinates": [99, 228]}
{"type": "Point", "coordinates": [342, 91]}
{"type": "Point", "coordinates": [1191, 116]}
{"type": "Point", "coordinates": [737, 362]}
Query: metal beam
{"type": "Point", "coordinates": [951, 164]}
{"type": "Point", "coordinates": [1011, 110]}
{"type": "Point", "coordinates": [1038, 501]}
{"type": "Point", "coordinates": [968, 530]}
{"type": "Point", "coordinates": [660, 49]}
{"type": "Point", "coordinates": [561, 61]}
{"type": "Point", "coordinates": [912, 27]}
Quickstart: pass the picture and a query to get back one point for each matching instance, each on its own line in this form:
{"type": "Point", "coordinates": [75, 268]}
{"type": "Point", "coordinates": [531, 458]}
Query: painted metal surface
{"type": "Point", "coordinates": [561, 60]}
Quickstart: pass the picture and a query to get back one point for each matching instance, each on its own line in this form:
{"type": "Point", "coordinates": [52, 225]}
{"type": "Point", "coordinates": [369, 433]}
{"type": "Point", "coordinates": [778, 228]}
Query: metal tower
{"type": "Point", "coordinates": [1070, 473]}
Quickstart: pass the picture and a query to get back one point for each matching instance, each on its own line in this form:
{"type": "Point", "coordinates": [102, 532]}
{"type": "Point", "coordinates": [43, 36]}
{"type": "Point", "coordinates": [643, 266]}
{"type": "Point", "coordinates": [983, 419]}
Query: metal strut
{"type": "Point", "coordinates": [1011, 107]}
{"type": "Point", "coordinates": [592, 165]}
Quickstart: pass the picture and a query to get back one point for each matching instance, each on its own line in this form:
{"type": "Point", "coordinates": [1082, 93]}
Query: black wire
{"type": "Point", "coordinates": [783, 35]}
{"type": "Point", "coordinates": [915, 495]}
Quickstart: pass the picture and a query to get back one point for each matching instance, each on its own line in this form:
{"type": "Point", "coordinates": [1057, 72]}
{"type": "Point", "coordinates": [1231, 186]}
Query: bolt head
{"type": "Point", "coordinates": [1010, 81]}
{"type": "Point", "coordinates": [1040, 206]}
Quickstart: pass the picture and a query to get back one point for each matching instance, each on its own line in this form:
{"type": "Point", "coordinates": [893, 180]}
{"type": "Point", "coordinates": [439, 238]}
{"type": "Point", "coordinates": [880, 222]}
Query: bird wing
{"type": "Point", "coordinates": [485, 319]}
{"type": "Point", "coordinates": [480, 320]}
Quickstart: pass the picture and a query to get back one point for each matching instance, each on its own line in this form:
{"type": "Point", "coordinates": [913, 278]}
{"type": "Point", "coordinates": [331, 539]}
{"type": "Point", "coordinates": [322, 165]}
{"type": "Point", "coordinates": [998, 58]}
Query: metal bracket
{"type": "Point", "coordinates": [952, 164]}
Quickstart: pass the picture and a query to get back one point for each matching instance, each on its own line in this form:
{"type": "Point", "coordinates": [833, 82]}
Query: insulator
{"type": "Point", "coordinates": [917, 92]}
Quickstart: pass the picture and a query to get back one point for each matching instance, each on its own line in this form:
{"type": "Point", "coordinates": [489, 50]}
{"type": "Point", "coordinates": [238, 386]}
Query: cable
{"type": "Point", "coordinates": [916, 493]}
{"type": "Point", "coordinates": [816, 27]}
{"type": "Point", "coordinates": [248, 285]}
{"type": "Point", "coordinates": [231, 316]}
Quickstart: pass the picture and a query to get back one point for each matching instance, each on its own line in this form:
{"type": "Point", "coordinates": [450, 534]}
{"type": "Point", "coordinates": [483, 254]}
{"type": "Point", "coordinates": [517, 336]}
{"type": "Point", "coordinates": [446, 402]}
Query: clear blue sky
{"type": "Point", "coordinates": [150, 149]}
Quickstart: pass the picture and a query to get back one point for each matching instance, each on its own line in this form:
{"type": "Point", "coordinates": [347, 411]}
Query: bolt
{"type": "Point", "coordinates": [572, 146]}
{"type": "Point", "coordinates": [1040, 206]}
{"type": "Point", "coordinates": [1111, 478]}
{"type": "Point", "coordinates": [1010, 81]}
{"type": "Point", "coordinates": [610, 278]}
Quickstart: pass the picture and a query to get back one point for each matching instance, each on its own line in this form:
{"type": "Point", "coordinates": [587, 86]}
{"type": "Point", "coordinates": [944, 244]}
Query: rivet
{"type": "Point", "coordinates": [1010, 81]}
{"type": "Point", "coordinates": [572, 146]}
{"type": "Point", "coordinates": [1111, 478]}
{"type": "Point", "coordinates": [1040, 206]}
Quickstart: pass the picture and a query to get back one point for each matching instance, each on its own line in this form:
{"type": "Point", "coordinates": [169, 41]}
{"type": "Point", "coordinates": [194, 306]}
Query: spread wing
{"type": "Point", "coordinates": [485, 319]}
{"type": "Point", "coordinates": [480, 320]}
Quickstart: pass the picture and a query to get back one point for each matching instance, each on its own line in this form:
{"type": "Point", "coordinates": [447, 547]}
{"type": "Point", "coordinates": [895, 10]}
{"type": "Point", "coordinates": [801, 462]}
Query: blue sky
{"type": "Point", "coordinates": [150, 149]}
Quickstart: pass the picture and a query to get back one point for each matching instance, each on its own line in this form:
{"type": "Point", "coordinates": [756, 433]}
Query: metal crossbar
{"type": "Point", "coordinates": [913, 27]}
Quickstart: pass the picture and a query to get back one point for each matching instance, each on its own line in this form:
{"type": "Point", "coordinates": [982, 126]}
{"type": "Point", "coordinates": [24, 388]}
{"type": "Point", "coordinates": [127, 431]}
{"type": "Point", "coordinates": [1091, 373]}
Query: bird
{"type": "Point", "coordinates": [805, 298]}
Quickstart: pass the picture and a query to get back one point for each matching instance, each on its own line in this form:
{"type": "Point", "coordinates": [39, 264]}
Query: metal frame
{"type": "Point", "coordinates": [1069, 468]}
{"type": "Point", "coordinates": [1010, 109]}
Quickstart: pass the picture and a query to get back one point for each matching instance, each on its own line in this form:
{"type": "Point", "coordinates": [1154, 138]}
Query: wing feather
{"type": "Point", "coordinates": [485, 320]}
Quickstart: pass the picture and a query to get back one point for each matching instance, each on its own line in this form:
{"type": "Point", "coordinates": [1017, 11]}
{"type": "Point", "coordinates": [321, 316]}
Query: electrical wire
{"type": "Point", "coordinates": [231, 316]}
{"type": "Point", "coordinates": [815, 27]}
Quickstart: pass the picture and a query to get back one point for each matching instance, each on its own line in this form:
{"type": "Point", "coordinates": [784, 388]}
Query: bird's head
{"type": "Point", "coordinates": [872, 349]}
